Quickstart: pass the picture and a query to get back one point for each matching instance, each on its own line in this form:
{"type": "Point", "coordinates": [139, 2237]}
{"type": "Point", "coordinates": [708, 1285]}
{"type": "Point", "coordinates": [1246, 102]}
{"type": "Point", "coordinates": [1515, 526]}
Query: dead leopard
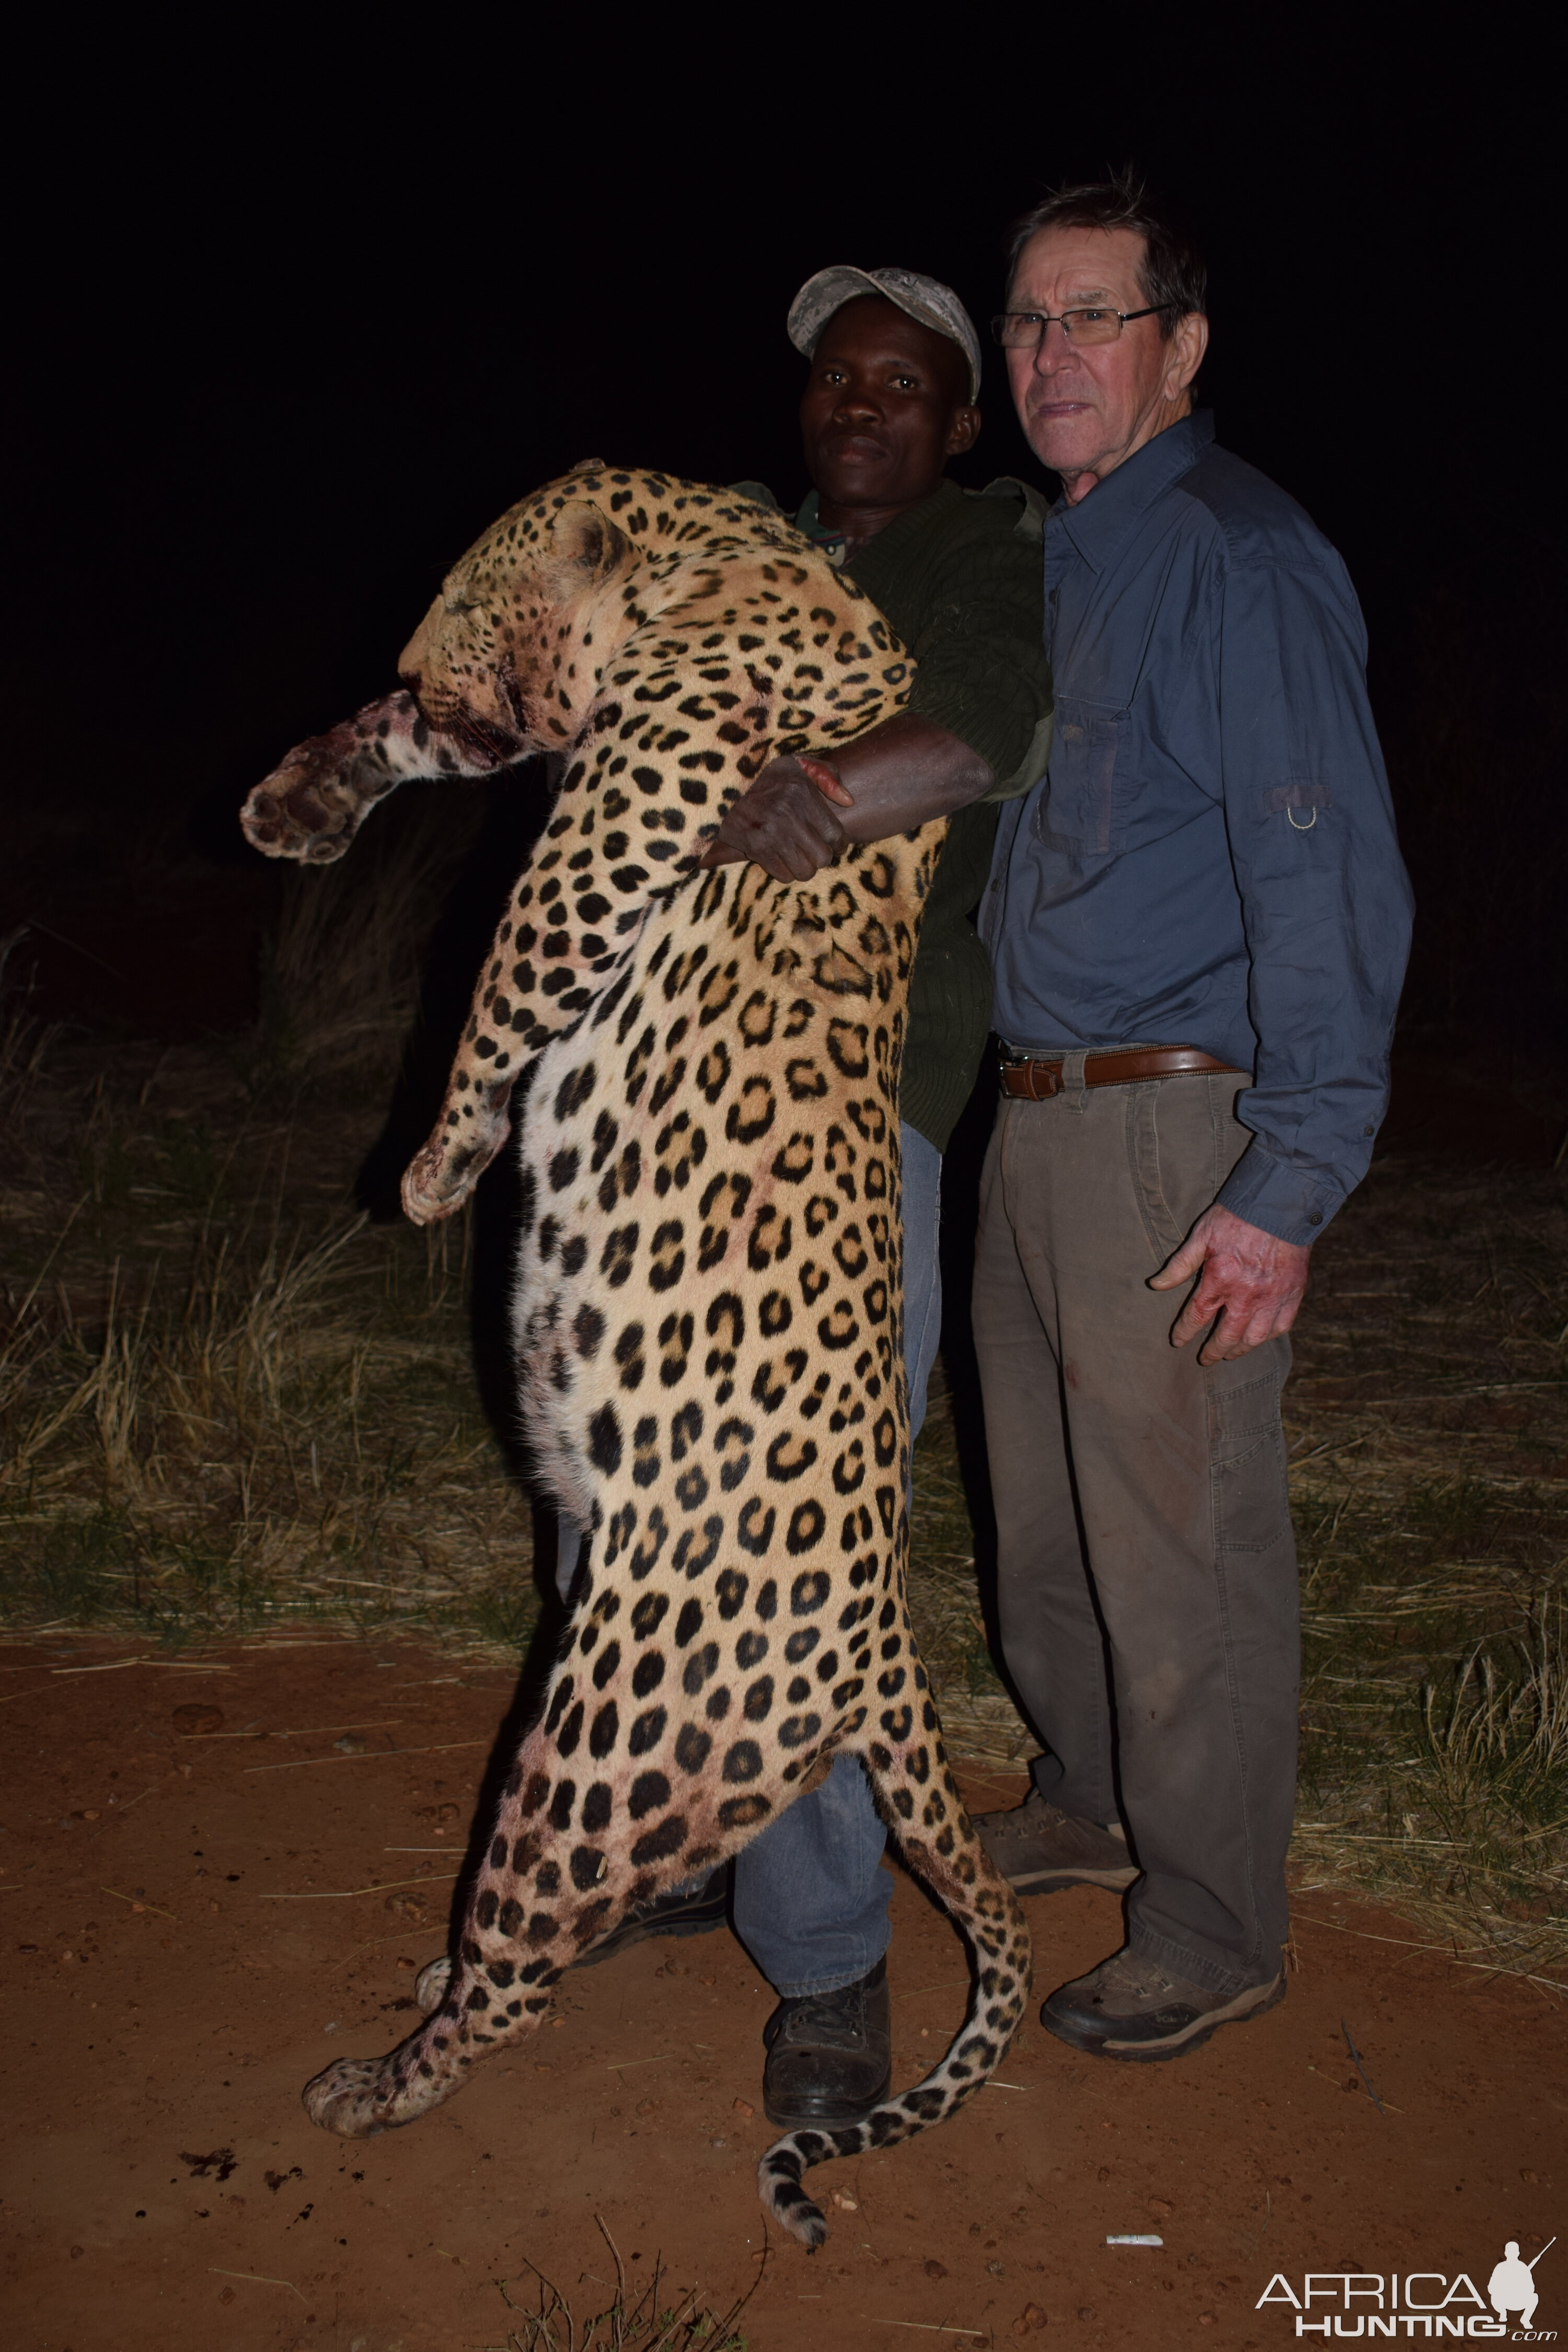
{"type": "Point", "coordinates": [708, 1297]}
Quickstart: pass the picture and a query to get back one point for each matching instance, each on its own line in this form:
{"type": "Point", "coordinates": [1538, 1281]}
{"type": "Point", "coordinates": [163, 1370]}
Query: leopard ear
{"type": "Point", "coordinates": [599, 546]}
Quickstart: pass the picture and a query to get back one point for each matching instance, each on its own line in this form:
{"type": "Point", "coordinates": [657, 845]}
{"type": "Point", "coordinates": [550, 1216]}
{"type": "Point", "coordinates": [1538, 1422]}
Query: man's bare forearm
{"type": "Point", "coordinates": [903, 773]}
{"type": "Point", "coordinates": [799, 813]}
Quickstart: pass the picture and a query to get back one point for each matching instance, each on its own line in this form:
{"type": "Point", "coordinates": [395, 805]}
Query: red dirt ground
{"type": "Point", "coordinates": [163, 2189]}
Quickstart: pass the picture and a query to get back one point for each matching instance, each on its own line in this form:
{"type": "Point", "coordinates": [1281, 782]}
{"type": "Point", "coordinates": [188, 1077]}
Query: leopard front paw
{"type": "Point", "coordinates": [307, 809]}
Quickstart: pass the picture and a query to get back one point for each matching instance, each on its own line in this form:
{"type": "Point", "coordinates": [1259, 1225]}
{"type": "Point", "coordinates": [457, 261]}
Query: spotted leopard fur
{"type": "Point", "coordinates": [709, 1298]}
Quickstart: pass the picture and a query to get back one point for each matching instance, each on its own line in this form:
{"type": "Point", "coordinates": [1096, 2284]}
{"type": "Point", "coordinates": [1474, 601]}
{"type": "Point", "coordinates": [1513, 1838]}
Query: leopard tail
{"type": "Point", "coordinates": [982, 1904]}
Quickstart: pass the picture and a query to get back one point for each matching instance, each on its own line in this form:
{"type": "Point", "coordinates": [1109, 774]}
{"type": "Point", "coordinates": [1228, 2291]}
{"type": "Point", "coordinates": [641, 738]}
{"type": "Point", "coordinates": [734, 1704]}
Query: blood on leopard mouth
{"type": "Point", "coordinates": [483, 740]}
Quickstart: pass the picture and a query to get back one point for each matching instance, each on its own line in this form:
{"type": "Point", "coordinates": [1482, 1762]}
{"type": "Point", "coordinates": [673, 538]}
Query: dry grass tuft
{"type": "Point", "coordinates": [1430, 1426]}
{"type": "Point", "coordinates": [341, 981]}
{"type": "Point", "coordinates": [646, 2324]}
{"type": "Point", "coordinates": [979, 1719]}
{"type": "Point", "coordinates": [25, 1040]}
{"type": "Point", "coordinates": [225, 1399]}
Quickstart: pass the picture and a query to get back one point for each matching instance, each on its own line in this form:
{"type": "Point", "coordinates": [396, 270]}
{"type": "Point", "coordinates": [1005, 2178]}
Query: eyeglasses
{"type": "Point", "coordinates": [1025, 331]}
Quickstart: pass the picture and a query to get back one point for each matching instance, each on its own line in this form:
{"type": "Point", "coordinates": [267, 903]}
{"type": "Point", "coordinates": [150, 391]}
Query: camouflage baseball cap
{"type": "Point", "coordinates": [926, 298]}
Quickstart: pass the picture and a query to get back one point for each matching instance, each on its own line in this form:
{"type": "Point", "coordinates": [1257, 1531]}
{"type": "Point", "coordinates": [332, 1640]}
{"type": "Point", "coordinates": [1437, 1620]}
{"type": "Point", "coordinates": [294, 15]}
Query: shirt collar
{"type": "Point", "coordinates": [833, 543]}
{"type": "Point", "coordinates": [1100, 522]}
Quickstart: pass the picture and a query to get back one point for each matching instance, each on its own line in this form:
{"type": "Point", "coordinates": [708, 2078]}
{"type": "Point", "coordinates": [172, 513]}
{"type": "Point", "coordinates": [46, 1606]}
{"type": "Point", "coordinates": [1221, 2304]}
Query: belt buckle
{"type": "Point", "coordinates": [1040, 1081]}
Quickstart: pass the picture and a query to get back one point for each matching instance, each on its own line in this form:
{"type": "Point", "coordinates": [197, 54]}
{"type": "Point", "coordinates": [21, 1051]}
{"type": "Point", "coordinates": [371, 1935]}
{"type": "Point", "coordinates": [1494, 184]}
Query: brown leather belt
{"type": "Point", "coordinates": [1028, 1081]}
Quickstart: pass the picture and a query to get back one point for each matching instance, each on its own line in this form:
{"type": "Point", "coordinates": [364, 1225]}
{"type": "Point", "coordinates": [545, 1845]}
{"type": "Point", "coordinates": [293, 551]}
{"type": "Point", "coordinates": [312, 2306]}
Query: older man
{"type": "Point", "coordinates": [1198, 925]}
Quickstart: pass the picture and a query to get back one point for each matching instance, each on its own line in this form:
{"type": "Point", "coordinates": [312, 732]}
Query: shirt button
{"type": "Point", "coordinates": [1367, 1130]}
{"type": "Point", "coordinates": [1315, 1217]}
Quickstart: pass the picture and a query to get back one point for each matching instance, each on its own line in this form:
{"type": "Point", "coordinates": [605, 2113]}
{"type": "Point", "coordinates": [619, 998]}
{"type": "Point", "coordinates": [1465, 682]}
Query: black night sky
{"type": "Point", "coordinates": [297, 324]}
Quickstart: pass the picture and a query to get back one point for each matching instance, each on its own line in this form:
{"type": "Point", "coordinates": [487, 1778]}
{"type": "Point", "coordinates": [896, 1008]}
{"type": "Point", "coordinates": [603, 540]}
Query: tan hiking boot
{"type": "Point", "coordinates": [1038, 1848]}
{"type": "Point", "coordinates": [1136, 2008]}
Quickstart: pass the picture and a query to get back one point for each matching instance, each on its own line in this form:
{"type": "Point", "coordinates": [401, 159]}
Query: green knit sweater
{"type": "Point", "coordinates": [961, 579]}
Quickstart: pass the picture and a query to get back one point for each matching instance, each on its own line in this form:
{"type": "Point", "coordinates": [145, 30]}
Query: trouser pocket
{"type": "Point", "coordinates": [1247, 1475]}
{"type": "Point", "coordinates": [1182, 1141]}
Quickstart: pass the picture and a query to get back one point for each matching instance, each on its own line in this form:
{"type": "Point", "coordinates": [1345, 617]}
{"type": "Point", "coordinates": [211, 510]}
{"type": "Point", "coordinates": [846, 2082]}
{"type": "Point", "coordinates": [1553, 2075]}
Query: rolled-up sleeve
{"type": "Point", "coordinates": [1325, 900]}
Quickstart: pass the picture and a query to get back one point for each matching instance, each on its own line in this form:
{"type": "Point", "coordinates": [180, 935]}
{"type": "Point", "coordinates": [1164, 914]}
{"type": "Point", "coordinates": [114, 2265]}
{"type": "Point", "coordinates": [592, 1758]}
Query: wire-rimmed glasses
{"type": "Point", "coordinates": [1095, 322]}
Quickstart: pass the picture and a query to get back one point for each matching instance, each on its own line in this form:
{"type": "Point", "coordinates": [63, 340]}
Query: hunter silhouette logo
{"type": "Point", "coordinates": [1511, 2286]}
{"type": "Point", "coordinates": [1421, 2305]}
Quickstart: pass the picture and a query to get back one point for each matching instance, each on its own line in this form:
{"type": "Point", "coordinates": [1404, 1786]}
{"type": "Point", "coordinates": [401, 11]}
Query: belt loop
{"type": "Point", "coordinates": [1072, 1082]}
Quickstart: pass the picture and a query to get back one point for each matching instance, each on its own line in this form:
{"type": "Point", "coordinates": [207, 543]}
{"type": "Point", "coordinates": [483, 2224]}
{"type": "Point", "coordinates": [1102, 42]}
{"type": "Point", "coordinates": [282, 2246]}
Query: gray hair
{"type": "Point", "coordinates": [1172, 273]}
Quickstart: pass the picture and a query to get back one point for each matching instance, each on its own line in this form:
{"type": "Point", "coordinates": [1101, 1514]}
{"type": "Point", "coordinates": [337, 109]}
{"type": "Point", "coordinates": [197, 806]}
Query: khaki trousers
{"type": "Point", "coordinates": [1148, 1593]}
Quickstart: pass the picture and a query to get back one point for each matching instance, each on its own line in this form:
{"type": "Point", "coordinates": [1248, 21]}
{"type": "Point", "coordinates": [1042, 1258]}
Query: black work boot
{"type": "Point", "coordinates": [830, 2055]}
{"type": "Point", "coordinates": [1038, 1848]}
{"type": "Point", "coordinates": [694, 1911]}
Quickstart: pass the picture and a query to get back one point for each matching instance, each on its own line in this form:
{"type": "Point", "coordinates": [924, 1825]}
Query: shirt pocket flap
{"type": "Point", "coordinates": [1077, 811]}
{"type": "Point", "coordinates": [1276, 797]}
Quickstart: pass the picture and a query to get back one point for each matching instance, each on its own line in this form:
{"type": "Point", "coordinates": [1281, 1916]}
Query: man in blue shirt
{"type": "Point", "coordinates": [1198, 925]}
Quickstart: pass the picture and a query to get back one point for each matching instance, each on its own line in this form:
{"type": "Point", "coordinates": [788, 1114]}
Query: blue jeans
{"type": "Point", "coordinates": [811, 1898]}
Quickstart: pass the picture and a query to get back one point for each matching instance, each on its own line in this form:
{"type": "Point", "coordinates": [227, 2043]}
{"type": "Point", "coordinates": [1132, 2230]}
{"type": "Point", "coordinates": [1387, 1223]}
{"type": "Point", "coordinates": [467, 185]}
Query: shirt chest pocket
{"type": "Point", "coordinates": [1077, 811]}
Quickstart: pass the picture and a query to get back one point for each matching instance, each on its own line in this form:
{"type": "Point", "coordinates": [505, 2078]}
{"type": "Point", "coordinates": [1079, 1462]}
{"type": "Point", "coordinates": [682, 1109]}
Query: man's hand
{"type": "Point", "coordinates": [785, 824]}
{"type": "Point", "coordinates": [1253, 1283]}
{"type": "Point", "coordinates": [898, 775]}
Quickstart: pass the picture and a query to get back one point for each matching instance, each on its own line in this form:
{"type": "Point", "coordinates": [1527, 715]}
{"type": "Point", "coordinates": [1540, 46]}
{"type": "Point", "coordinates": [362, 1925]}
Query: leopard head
{"type": "Point", "coordinates": [509, 656]}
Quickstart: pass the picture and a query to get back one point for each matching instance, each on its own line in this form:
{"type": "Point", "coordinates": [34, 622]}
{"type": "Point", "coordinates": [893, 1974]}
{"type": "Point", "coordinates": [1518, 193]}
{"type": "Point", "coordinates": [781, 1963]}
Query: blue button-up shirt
{"type": "Point", "coordinates": [1211, 857]}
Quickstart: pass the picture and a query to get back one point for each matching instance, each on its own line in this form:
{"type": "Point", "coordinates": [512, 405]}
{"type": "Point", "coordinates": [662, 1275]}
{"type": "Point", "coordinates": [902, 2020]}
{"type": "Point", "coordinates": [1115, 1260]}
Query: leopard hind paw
{"type": "Point", "coordinates": [361, 2096]}
{"type": "Point", "coordinates": [430, 1984]}
{"type": "Point", "coordinates": [347, 2097]}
